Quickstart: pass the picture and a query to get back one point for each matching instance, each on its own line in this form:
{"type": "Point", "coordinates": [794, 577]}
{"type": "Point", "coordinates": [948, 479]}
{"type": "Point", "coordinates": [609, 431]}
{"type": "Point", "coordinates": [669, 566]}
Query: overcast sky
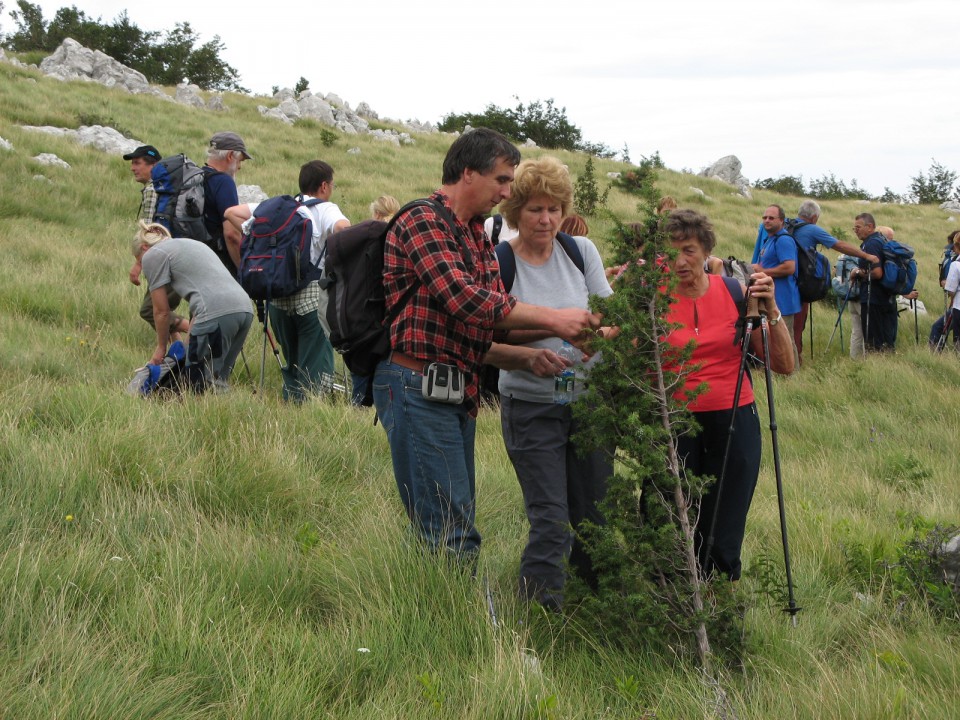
{"type": "Point", "coordinates": [865, 90]}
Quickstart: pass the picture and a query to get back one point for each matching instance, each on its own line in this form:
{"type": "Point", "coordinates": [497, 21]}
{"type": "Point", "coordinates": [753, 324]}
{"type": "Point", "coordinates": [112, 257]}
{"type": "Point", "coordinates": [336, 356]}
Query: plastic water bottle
{"type": "Point", "coordinates": [563, 384]}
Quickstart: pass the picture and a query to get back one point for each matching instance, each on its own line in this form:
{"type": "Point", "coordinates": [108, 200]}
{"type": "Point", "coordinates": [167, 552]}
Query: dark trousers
{"type": "Point", "coordinates": [702, 455]}
{"type": "Point", "coordinates": [799, 323]}
{"type": "Point", "coordinates": [561, 488]}
{"type": "Point", "coordinates": [879, 322]}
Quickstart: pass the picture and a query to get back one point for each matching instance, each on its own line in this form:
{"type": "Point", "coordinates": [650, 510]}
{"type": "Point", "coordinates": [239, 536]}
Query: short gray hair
{"type": "Point", "coordinates": [808, 210]}
{"type": "Point", "coordinates": [217, 155]}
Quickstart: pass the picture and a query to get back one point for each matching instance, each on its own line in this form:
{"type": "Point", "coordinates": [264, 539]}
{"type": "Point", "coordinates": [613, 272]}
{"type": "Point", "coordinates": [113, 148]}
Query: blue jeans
{"type": "Point", "coordinates": [431, 445]}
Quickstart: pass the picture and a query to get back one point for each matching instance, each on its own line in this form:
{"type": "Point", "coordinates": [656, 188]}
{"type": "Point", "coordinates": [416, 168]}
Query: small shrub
{"type": "Point", "coordinates": [587, 196]}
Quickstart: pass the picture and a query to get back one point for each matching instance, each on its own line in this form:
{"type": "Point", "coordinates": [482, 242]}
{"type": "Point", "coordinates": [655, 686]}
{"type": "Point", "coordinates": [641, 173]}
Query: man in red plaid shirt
{"type": "Point", "coordinates": [444, 294]}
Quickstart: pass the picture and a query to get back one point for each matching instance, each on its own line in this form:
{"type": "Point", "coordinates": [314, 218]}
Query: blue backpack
{"type": "Point", "coordinates": [813, 268]}
{"type": "Point", "coordinates": [275, 253]}
{"type": "Point", "coordinates": [899, 268]}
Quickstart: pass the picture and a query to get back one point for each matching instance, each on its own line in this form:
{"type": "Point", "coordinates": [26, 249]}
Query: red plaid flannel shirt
{"type": "Point", "coordinates": [450, 316]}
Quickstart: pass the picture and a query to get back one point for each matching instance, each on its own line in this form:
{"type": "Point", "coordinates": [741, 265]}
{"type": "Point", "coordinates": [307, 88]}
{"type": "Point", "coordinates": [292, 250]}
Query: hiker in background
{"type": "Point", "coordinates": [951, 286]}
{"type": "Point", "coordinates": [224, 156]}
{"type": "Point", "coordinates": [219, 307]}
{"type": "Point", "coordinates": [907, 300]}
{"type": "Point", "coordinates": [878, 306]}
{"type": "Point", "coordinates": [444, 293]}
{"type": "Point", "coordinates": [950, 254]}
{"type": "Point", "coordinates": [705, 311]}
{"type": "Point", "coordinates": [574, 224]}
{"type": "Point", "coordinates": [498, 229]}
{"type": "Point", "coordinates": [777, 257]}
{"type": "Point", "coordinates": [561, 486]}
{"type": "Point", "coordinates": [142, 161]}
{"type": "Point", "coordinates": [666, 204]}
{"type": "Point", "coordinates": [384, 208]}
{"type": "Point", "coordinates": [808, 235]}
{"type": "Point", "coordinates": [299, 320]}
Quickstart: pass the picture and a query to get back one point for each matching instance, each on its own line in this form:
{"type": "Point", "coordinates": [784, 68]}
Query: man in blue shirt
{"type": "Point", "coordinates": [878, 307]}
{"type": "Point", "coordinates": [224, 156]}
{"type": "Point", "coordinates": [777, 257]}
{"type": "Point", "coordinates": [808, 235]}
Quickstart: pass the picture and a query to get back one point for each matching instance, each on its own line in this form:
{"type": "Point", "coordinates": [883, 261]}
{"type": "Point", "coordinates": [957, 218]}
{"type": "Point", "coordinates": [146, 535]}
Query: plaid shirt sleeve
{"type": "Point", "coordinates": [148, 203]}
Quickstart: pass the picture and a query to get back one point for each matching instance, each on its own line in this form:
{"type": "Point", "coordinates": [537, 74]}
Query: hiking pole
{"type": "Point", "coordinates": [749, 321]}
{"type": "Point", "coordinates": [843, 306]}
{"type": "Point", "coordinates": [916, 321]}
{"type": "Point", "coordinates": [490, 608]}
{"type": "Point", "coordinates": [866, 329]}
{"type": "Point", "coordinates": [792, 606]}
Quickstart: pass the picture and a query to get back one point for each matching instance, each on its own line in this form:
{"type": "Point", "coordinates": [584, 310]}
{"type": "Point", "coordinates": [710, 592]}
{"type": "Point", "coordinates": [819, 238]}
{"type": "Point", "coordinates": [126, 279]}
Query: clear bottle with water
{"type": "Point", "coordinates": [563, 384]}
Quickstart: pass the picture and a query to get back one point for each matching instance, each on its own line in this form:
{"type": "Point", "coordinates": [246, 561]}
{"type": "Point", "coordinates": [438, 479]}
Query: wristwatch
{"type": "Point", "coordinates": [777, 319]}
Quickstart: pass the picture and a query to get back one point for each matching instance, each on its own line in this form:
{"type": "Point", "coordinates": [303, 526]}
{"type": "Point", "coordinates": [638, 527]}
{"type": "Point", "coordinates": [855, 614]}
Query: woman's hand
{"type": "Point", "coordinates": [762, 290]}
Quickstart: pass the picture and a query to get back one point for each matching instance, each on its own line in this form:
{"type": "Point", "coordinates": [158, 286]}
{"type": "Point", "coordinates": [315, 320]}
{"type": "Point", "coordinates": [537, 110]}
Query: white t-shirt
{"type": "Point", "coordinates": [507, 233]}
{"type": "Point", "coordinates": [952, 283]}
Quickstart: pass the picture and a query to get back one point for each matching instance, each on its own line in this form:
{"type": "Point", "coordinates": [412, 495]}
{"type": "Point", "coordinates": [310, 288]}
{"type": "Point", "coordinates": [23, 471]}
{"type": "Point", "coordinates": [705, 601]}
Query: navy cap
{"type": "Point", "coordinates": [147, 151]}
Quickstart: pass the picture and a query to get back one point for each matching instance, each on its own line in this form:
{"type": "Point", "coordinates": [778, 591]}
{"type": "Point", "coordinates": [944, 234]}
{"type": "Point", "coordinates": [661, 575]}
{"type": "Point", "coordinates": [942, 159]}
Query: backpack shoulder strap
{"type": "Point", "coordinates": [736, 293]}
{"type": "Point", "coordinates": [572, 250]}
{"type": "Point", "coordinates": [497, 227]}
{"type": "Point", "coordinates": [508, 264]}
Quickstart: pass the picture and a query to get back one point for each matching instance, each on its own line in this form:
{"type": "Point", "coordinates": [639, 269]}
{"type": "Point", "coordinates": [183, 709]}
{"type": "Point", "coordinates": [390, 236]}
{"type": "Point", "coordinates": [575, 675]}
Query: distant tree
{"type": "Point", "coordinates": [31, 31]}
{"type": "Point", "coordinates": [785, 185]}
{"type": "Point", "coordinates": [176, 58]}
{"type": "Point", "coordinates": [938, 186]}
{"type": "Point", "coordinates": [625, 154]}
{"type": "Point", "coordinates": [166, 62]}
{"type": "Point", "coordinates": [540, 121]}
{"type": "Point", "coordinates": [889, 196]}
{"type": "Point", "coordinates": [302, 85]}
{"type": "Point", "coordinates": [830, 187]}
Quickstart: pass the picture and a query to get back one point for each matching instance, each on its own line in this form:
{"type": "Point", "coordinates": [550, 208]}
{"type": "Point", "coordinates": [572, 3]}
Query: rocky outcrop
{"type": "Point", "coordinates": [250, 194]}
{"type": "Point", "coordinates": [188, 94]}
{"type": "Point", "coordinates": [102, 138]}
{"type": "Point", "coordinates": [727, 169]}
{"type": "Point", "coordinates": [951, 206]}
{"type": "Point", "coordinates": [72, 61]}
{"type": "Point", "coordinates": [5, 144]}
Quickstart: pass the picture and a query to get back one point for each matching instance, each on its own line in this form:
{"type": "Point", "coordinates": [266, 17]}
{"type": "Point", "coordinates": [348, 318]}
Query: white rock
{"type": "Point", "coordinates": [353, 151]}
{"type": "Point", "coordinates": [5, 144]}
{"type": "Point", "coordinates": [52, 160]}
{"type": "Point", "coordinates": [250, 194]}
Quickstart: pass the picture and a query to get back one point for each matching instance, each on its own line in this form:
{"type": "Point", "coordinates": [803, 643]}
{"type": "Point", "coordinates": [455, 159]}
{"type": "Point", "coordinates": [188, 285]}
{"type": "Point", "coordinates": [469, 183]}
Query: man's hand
{"type": "Point", "coordinates": [158, 355]}
{"type": "Point", "coordinates": [135, 273]}
{"type": "Point", "coordinates": [573, 324]}
{"type": "Point", "coordinates": [873, 259]}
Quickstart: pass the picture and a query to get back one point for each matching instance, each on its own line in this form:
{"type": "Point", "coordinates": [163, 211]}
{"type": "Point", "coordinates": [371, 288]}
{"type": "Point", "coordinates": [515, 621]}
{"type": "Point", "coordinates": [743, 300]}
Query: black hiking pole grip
{"type": "Point", "coordinates": [792, 606]}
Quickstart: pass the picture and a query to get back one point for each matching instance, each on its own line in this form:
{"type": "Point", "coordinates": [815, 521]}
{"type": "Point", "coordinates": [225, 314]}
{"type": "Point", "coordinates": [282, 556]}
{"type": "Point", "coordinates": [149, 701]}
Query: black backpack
{"type": "Point", "coordinates": [813, 268]}
{"type": "Point", "coordinates": [944, 267]}
{"type": "Point", "coordinates": [275, 253]}
{"type": "Point", "coordinates": [353, 278]}
{"type": "Point", "coordinates": [180, 187]}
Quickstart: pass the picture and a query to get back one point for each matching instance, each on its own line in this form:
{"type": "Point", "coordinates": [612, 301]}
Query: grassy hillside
{"type": "Point", "coordinates": [233, 556]}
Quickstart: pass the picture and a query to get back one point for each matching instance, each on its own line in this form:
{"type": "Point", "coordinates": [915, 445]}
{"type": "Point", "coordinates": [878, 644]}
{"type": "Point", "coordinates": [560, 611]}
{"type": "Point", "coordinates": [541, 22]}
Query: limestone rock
{"type": "Point", "coordinates": [951, 560]}
{"type": "Point", "coordinates": [727, 169]}
{"type": "Point", "coordinates": [250, 194]}
{"type": "Point", "coordinates": [290, 108]}
{"type": "Point", "coordinates": [189, 95]}
{"type": "Point", "coordinates": [316, 108]}
{"type": "Point", "coordinates": [5, 144]}
{"type": "Point", "coordinates": [215, 103]}
{"type": "Point", "coordinates": [72, 61]}
{"type": "Point", "coordinates": [353, 151]}
{"type": "Point", "coordinates": [102, 138]}
{"type": "Point", "coordinates": [52, 160]}
{"type": "Point", "coordinates": [951, 206]}
{"type": "Point", "coordinates": [365, 111]}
